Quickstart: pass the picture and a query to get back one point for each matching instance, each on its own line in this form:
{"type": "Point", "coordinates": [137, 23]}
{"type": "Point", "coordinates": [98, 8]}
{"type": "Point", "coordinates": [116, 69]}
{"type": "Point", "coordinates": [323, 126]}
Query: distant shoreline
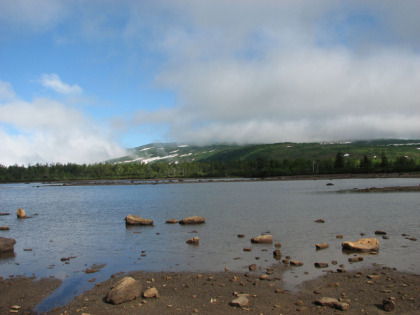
{"type": "Point", "coordinates": [330, 177]}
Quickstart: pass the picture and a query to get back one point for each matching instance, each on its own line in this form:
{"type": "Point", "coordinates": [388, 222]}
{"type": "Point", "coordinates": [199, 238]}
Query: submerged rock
{"type": "Point", "coordinates": [171, 221]}
{"type": "Point", "coordinates": [277, 254]}
{"type": "Point", "coordinates": [137, 220]}
{"type": "Point", "coordinates": [125, 290]}
{"type": "Point", "coordinates": [320, 221]}
{"type": "Point", "coordinates": [4, 228]}
{"type": "Point", "coordinates": [193, 220]}
{"type": "Point", "coordinates": [262, 239]}
{"type": "Point", "coordinates": [362, 245]}
{"type": "Point", "coordinates": [7, 244]}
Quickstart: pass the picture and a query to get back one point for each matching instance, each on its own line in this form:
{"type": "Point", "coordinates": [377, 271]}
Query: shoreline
{"type": "Point", "coordinates": [155, 181]}
{"type": "Point", "coordinates": [212, 293]}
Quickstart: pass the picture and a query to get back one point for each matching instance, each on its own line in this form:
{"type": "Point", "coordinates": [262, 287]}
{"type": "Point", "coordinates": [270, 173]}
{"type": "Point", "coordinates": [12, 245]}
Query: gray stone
{"type": "Point", "coordinates": [7, 244]}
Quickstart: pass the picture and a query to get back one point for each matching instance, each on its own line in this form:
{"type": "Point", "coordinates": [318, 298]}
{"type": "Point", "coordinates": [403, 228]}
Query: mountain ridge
{"type": "Point", "coordinates": [176, 153]}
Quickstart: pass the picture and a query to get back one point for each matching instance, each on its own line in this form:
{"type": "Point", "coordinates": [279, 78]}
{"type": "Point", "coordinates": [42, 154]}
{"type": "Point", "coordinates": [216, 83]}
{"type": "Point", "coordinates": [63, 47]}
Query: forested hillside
{"type": "Point", "coordinates": [281, 159]}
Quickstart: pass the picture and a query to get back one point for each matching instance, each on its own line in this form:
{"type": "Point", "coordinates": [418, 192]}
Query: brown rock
{"type": "Point", "coordinates": [20, 213]}
{"type": "Point", "coordinates": [151, 293]}
{"type": "Point", "coordinates": [247, 249]}
{"type": "Point", "coordinates": [4, 213]}
{"type": "Point", "coordinates": [320, 221]}
{"type": "Point", "coordinates": [388, 305]}
{"type": "Point", "coordinates": [193, 241]}
{"type": "Point", "coordinates": [125, 290]}
{"type": "Point", "coordinates": [193, 220]}
{"type": "Point", "coordinates": [321, 246]}
{"type": "Point", "coordinates": [339, 236]}
{"type": "Point", "coordinates": [7, 244]}
{"type": "Point", "coordinates": [321, 265]}
{"type": "Point", "coordinates": [355, 259]}
{"type": "Point", "coordinates": [4, 228]}
{"type": "Point", "coordinates": [263, 239]}
{"type": "Point", "coordinates": [296, 263]}
{"type": "Point", "coordinates": [241, 301]}
{"type": "Point", "coordinates": [363, 245]}
{"type": "Point", "coordinates": [277, 245]}
{"type": "Point", "coordinates": [334, 303]}
{"type": "Point", "coordinates": [171, 221]}
{"type": "Point", "coordinates": [137, 220]}
{"type": "Point", "coordinates": [241, 235]}
{"type": "Point", "coordinates": [277, 254]}
{"type": "Point", "coordinates": [252, 267]}
{"type": "Point", "coordinates": [379, 232]}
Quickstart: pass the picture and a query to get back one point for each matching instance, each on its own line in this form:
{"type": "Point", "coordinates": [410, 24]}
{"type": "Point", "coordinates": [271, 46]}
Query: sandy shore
{"type": "Point", "coordinates": [211, 293]}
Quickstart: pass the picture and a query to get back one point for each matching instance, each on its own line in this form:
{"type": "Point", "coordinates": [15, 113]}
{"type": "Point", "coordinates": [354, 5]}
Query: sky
{"type": "Point", "coordinates": [83, 80]}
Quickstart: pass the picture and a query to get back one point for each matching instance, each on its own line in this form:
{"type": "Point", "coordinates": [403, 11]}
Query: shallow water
{"type": "Point", "coordinates": [88, 222]}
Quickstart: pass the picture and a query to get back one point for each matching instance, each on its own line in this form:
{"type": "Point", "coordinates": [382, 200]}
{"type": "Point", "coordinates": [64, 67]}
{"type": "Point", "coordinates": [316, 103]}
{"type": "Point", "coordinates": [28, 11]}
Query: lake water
{"type": "Point", "coordinates": [88, 222]}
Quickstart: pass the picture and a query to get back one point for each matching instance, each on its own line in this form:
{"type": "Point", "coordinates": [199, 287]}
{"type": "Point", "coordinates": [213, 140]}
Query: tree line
{"type": "Point", "coordinates": [259, 167]}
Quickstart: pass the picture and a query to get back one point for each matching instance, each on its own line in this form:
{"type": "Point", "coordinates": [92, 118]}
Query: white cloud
{"type": "Point", "coordinates": [53, 81]}
{"type": "Point", "coordinates": [291, 71]}
{"type": "Point", "coordinates": [46, 131]}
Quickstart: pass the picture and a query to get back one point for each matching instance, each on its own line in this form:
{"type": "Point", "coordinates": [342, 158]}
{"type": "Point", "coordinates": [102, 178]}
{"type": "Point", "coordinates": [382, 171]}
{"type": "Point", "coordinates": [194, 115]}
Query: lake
{"type": "Point", "coordinates": [88, 222]}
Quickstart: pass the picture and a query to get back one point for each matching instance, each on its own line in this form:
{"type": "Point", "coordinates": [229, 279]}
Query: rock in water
{"type": "Point", "coordinates": [320, 221]}
{"type": "Point", "coordinates": [137, 220]}
{"type": "Point", "coordinates": [263, 239]}
{"type": "Point", "coordinates": [321, 246]}
{"type": "Point", "coordinates": [171, 221]}
{"type": "Point", "coordinates": [20, 213]}
{"type": "Point", "coordinates": [321, 265]}
{"type": "Point", "coordinates": [193, 241]}
{"type": "Point", "coordinates": [193, 220]}
{"type": "Point", "coordinates": [125, 290]}
{"type": "Point", "coordinates": [7, 244]}
{"type": "Point", "coordinates": [277, 254]}
{"type": "Point", "coordinates": [296, 263]}
{"type": "Point", "coordinates": [362, 245]}
{"type": "Point", "coordinates": [151, 293]}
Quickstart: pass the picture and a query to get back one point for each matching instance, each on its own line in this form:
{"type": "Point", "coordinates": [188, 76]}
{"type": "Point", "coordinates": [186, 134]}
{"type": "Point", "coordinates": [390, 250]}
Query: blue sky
{"type": "Point", "coordinates": [81, 81]}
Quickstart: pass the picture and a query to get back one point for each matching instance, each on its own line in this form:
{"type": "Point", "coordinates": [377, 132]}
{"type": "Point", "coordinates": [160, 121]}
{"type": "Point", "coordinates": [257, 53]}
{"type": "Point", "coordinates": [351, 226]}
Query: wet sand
{"type": "Point", "coordinates": [211, 293]}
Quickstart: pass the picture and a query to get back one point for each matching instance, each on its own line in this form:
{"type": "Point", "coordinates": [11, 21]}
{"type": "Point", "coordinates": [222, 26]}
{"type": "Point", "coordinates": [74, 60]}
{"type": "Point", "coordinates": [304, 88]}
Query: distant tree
{"type": "Point", "coordinates": [339, 160]}
{"type": "Point", "coordinates": [384, 160]}
{"type": "Point", "coordinates": [365, 162]}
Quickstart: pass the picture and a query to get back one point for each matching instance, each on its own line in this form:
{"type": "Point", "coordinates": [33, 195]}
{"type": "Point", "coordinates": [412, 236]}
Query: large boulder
{"type": "Point", "coordinates": [7, 244]}
{"type": "Point", "coordinates": [262, 239]}
{"type": "Point", "coordinates": [125, 290]}
{"type": "Point", "coordinates": [137, 220]}
{"type": "Point", "coordinates": [195, 219]}
{"type": "Point", "coordinates": [362, 245]}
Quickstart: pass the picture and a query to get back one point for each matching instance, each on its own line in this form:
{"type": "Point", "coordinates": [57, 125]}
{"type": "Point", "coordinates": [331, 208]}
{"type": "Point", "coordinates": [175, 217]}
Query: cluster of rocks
{"type": "Point", "coordinates": [138, 220]}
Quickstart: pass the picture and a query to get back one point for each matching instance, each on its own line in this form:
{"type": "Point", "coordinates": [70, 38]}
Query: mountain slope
{"type": "Point", "coordinates": [175, 153]}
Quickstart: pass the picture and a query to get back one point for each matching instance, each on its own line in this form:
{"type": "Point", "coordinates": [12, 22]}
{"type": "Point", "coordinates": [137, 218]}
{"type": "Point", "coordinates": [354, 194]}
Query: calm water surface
{"type": "Point", "coordinates": [88, 222]}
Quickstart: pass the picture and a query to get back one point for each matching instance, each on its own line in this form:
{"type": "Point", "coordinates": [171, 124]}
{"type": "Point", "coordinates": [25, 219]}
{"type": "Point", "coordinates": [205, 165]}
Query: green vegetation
{"type": "Point", "coordinates": [281, 159]}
